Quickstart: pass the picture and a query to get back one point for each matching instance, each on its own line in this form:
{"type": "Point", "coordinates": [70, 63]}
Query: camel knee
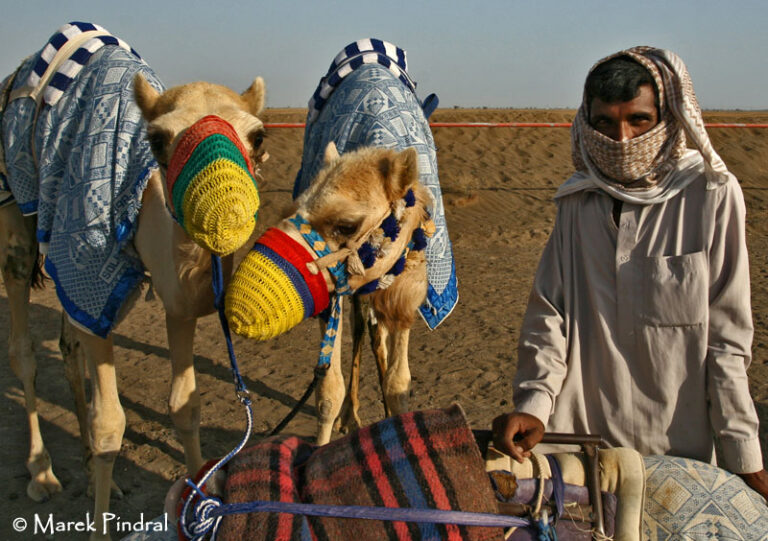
{"type": "Point", "coordinates": [184, 409]}
{"type": "Point", "coordinates": [329, 396]}
{"type": "Point", "coordinates": [107, 431]}
{"type": "Point", "coordinates": [329, 402]}
{"type": "Point", "coordinates": [397, 390]}
{"type": "Point", "coordinates": [22, 359]}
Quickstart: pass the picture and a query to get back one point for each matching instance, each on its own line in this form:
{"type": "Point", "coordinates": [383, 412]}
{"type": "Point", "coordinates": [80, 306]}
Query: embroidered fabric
{"type": "Point", "coordinates": [373, 107]}
{"type": "Point", "coordinates": [93, 165]}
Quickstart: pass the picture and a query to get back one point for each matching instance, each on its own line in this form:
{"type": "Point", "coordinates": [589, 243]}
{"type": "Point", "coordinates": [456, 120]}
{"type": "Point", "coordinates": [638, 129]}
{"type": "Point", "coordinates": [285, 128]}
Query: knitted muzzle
{"type": "Point", "coordinates": [272, 290]}
{"type": "Point", "coordinates": [212, 186]}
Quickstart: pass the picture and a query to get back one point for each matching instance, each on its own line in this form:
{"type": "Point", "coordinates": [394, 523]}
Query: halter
{"type": "Point", "coordinates": [349, 265]}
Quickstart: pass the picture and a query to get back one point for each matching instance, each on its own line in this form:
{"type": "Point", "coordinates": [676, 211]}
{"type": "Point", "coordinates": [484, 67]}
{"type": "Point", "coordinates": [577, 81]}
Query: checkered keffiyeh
{"type": "Point", "coordinates": [642, 166]}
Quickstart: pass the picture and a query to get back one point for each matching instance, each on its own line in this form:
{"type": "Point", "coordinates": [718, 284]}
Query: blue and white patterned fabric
{"type": "Point", "coordinates": [6, 197]}
{"type": "Point", "coordinates": [691, 500]}
{"type": "Point", "coordinates": [363, 51]}
{"type": "Point", "coordinates": [69, 69]}
{"type": "Point", "coordinates": [86, 185]}
{"type": "Point", "coordinates": [371, 106]}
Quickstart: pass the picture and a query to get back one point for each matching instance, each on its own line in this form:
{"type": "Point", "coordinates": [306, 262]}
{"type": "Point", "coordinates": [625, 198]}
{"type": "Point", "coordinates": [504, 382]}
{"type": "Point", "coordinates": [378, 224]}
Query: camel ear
{"type": "Point", "coordinates": [402, 173]}
{"type": "Point", "coordinates": [146, 97]}
{"type": "Point", "coordinates": [255, 96]}
{"type": "Point", "coordinates": [331, 154]}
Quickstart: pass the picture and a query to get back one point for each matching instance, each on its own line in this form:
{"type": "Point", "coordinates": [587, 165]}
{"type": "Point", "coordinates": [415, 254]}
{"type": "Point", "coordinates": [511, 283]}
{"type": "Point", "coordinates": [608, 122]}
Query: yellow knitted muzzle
{"type": "Point", "coordinates": [272, 290]}
{"type": "Point", "coordinates": [212, 186]}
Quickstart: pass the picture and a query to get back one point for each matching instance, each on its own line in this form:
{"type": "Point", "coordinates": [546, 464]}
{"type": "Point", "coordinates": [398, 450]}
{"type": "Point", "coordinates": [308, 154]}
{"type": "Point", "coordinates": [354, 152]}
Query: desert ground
{"type": "Point", "coordinates": [498, 185]}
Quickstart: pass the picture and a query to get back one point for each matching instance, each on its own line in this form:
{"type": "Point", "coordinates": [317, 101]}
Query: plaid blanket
{"type": "Point", "coordinates": [83, 177]}
{"type": "Point", "coordinates": [362, 102]}
{"type": "Point", "coordinates": [425, 459]}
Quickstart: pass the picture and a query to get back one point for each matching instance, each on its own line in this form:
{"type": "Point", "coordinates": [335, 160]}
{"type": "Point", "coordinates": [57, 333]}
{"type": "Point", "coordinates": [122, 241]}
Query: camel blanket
{"type": "Point", "coordinates": [372, 106]}
{"type": "Point", "coordinates": [425, 459]}
{"type": "Point", "coordinates": [82, 168]}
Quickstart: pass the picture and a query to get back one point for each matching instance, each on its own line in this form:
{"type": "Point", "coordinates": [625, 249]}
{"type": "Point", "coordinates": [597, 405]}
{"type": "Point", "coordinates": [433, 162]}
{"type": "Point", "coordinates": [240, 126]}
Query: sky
{"type": "Point", "coordinates": [471, 53]}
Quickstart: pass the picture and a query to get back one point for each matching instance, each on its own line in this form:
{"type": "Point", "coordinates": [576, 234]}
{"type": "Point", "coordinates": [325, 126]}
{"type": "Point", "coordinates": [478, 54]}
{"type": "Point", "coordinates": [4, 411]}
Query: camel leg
{"type": "Point", "coordinates": [348, 419]}
{"type": "Point", "coordinates": [74, 369]}
{"type": "Point", "coordinates": [17, 259]}
{"type": "Point", "coordinates": [184, 402]}
{"type": "Point", "coordinates": [330, 392]}
{"type": "Point", "coordinates": [107, 422]}
{"type": "Point", "coordinates": [397, 381]}
{"type": "Point", "coordinates": [379, 338]}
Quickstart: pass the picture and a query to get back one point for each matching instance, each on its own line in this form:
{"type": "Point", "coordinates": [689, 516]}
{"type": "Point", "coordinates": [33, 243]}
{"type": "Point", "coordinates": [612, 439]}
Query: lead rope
{"type": "Point", "coordinates": [204, 519]}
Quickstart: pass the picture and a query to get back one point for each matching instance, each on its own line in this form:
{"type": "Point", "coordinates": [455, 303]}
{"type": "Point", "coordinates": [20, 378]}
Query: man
{"type": "Point", "coordinates": [639, 326]}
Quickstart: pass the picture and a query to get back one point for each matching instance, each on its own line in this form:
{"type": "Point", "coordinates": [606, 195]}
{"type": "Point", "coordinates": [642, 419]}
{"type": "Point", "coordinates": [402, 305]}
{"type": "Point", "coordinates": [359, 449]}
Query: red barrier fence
{"type": "Point", "coordinates": [515, 125]}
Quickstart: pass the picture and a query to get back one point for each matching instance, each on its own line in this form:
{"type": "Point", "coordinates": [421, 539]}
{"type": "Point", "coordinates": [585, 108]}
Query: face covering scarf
{"type": "Point", "coordinates": [643, 167]}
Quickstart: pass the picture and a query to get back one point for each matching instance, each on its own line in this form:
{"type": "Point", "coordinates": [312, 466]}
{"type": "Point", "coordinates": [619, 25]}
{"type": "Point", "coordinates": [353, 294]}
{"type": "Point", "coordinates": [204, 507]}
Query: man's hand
{"type": "Point", "coordinates": [757, 481]}
{"type": "Point", "coordinates": [516, 434]}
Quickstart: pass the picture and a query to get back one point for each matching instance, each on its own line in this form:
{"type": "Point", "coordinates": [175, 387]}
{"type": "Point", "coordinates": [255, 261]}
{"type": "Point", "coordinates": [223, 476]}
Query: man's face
{"type": "Point", "coordinates": [625, 120]}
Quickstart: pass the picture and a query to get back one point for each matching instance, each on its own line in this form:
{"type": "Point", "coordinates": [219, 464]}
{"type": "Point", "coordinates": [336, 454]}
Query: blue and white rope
{"type": "Point", "coordinates": [202, 520]}
{"type": "Point", "coordinates": [354, 55]}
{"type": "Point", "coordinates": [72, 66]}
{"type": "Point", "coordinates": [339, 272]}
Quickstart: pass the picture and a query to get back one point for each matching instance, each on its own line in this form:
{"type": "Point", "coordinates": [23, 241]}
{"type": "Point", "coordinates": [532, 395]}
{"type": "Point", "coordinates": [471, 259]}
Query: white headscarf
{"type": "Point", "coordinates": [646, 169]}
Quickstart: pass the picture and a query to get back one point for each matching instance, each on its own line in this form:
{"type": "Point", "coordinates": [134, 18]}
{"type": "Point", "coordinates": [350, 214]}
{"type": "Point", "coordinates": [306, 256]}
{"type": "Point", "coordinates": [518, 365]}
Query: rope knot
{"type": "Point", "coordinates": [203, 521]}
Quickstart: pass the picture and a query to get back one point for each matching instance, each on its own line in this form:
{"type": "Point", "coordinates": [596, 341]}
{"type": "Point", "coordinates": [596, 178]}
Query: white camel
{"type": "Point", "coordinates": [180, 270]}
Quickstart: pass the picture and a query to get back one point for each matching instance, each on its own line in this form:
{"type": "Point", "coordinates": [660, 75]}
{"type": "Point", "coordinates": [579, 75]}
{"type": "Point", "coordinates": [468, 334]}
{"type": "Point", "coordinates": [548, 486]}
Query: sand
{"type": "Point", "coordinates": [498, 185]}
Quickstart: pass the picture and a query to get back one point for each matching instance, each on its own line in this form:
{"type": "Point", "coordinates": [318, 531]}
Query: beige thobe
{"type": "Point", "coordinates": [641, 332]}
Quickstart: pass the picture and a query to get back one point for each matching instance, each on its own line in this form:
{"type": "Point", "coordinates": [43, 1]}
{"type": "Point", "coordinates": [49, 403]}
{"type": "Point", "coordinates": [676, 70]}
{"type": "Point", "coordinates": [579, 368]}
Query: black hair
{"type": "Point", "coordinates": [619, 79]}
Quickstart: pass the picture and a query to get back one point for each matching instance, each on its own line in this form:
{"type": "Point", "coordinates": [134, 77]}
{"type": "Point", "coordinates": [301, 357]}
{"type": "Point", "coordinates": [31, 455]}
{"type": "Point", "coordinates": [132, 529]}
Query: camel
{"type": "Point", "coordinates": [179, 269]}
{"type": "Point", "coordinates": [345, 206]}
{"type": "Point", "coordinates": [364, 110]}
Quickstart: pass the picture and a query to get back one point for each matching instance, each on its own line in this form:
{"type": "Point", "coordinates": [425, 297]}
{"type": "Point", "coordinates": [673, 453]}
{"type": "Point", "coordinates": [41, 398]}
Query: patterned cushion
{"type": "Point", "coordinates": [692, 500]}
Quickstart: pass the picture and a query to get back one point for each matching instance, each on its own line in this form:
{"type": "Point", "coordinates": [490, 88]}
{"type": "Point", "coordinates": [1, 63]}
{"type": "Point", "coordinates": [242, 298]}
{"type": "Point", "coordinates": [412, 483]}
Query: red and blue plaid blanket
{"type": "Point", "coordinates": [425, 459]}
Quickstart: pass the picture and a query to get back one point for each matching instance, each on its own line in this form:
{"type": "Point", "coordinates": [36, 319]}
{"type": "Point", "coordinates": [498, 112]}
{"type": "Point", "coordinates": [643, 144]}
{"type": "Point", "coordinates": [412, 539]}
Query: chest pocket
{"type": "Point", "coordinates": [675, 291]}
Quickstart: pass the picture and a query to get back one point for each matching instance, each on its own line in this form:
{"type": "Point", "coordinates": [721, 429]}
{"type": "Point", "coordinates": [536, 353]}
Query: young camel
{"type": "Point", "coordinates": [180, 271]}
{"type": "Point", "coordinates": [345, 205]}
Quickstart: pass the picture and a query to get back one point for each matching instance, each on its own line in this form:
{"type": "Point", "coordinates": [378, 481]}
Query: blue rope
{"type": "Point", "coordinates": [217, 281]}
{"type": "Point", "coordinates": [203, 520]}
{"type": "Point", "coordinates": [397, 514]}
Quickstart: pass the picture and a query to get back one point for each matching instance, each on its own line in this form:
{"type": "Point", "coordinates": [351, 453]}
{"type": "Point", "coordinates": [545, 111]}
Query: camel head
{"type": "Point", "coordinates": [351, 227]}
{"type": "Point", "coordinates": [207, 141]}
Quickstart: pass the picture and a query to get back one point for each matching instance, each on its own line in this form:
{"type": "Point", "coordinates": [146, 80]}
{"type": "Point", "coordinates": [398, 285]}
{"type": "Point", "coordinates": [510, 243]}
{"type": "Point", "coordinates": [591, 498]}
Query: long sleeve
{"type": "Point", "coordinates": [731, 410]}
{"type": "Point", "coordinates": [541, 365]}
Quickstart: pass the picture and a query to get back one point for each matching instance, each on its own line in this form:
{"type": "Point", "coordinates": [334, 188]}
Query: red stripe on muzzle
{"type": "Point", "coordinates": [293, 252]}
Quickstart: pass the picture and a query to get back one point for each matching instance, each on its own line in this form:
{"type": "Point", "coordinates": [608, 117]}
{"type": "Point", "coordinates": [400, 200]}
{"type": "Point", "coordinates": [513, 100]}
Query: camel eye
{"type": "Point", "coordinates": [257, 138]}
{"type": "Point", "coordinates": [158, 143]}
{"type": "Point", "coordinates": [344, 229]}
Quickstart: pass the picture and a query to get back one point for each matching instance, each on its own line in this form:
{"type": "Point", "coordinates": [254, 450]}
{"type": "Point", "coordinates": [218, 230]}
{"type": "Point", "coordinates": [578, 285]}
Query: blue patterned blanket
{"type": "Point", "coordinates": [692, 500]}
{"type": "Point", "coordinates": [372, 105]}
{"type": "Point", "coordinates": [84, 177]}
